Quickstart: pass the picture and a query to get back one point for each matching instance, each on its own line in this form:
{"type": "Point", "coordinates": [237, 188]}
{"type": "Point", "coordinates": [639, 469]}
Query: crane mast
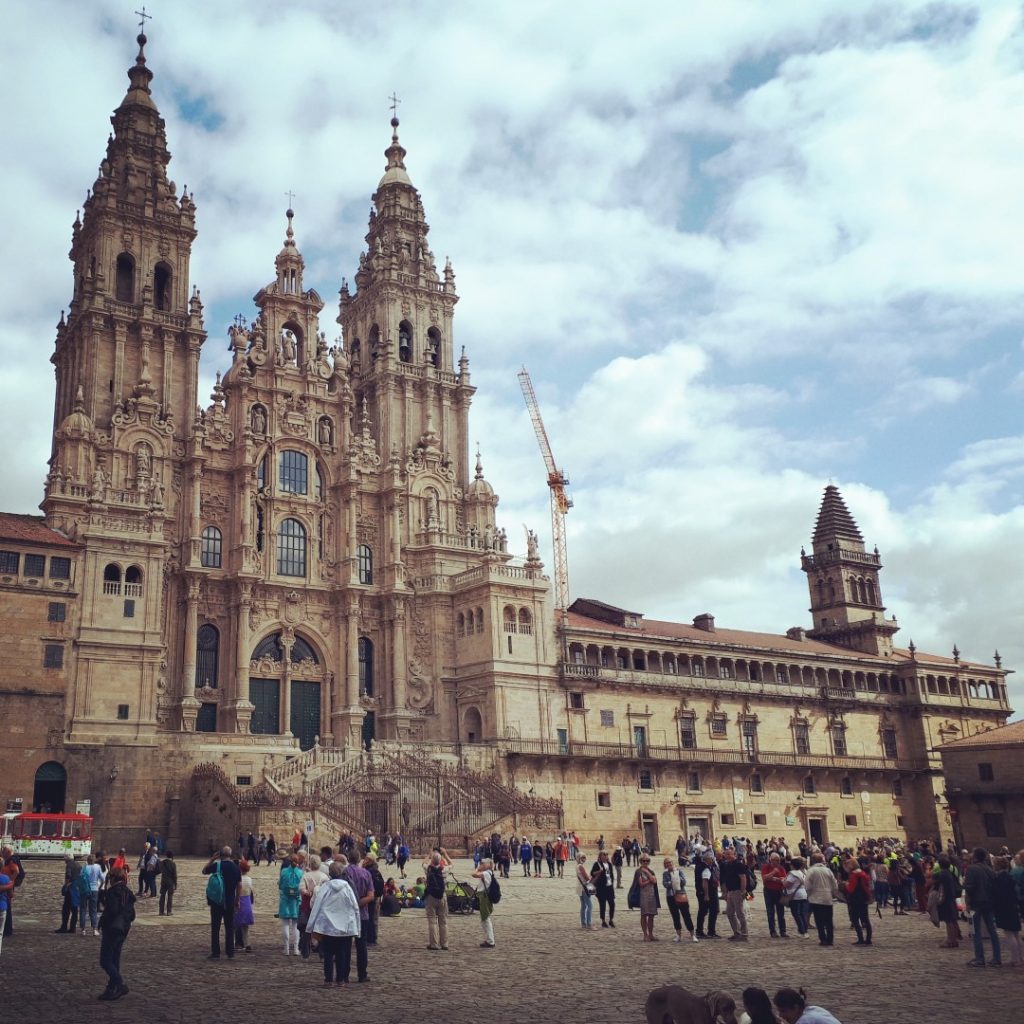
{"type": "Point", "coordinates": [560, 500]}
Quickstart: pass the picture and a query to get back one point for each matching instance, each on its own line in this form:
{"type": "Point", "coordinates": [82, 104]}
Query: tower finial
{"type": "Point", "coordinates": [141, 37]}
{"type": "Point", "coordinates": [479, 463]}
{"type": "Point", "coordinates": [394, 115]}
{"type": "Point", "coordinates": [289, 235]}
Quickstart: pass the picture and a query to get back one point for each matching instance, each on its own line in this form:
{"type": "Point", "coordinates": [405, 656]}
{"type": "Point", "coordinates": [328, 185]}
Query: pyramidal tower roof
{"type": "Point", "coordinates": [834, 519]}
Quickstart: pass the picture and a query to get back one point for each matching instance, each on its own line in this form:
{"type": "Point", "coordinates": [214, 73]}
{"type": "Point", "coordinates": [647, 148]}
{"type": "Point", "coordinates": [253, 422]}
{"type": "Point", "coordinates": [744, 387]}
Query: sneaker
{"type": "Point", "coordinates": [433, 947]}
{"type": "Point", "coordinates": [444, 947]}
{"type": "Point", "coordinates": [975, 963]}
{"type": "Point", "coordinates": [676, 938]}
{"type": "Point", "coordinates": [611, 924]}
{"type": "Point", "coordinates": [735, 938]}
{"type": "Point", "coordinates": [695, 939]}
{"type": "Point", "coordinates": [604, 924]}
{"type": "Point", "coordinates": [118, 992]}
{"type": "Point", "coordinates": [107, 994]}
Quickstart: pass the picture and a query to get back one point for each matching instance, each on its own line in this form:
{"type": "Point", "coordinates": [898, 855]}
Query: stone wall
{"type": "Point", "coordinates": [985, 807]}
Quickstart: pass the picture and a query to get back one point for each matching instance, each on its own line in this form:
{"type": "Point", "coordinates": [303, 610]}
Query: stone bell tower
{"type": "Point", "coordinates": [126, 362]}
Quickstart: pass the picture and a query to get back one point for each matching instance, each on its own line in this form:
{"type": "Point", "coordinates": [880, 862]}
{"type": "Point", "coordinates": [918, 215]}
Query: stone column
{"type": "Point", "coordinates": [399, 665]}
{"type": "Point", "coordinates": [189, 704]}
{"type": "Point", "coordinates": [241, 708]}
{"type": "Point", "coordinates": [286, 684]}
{"type": "Point", "coordinates": [352, 656]}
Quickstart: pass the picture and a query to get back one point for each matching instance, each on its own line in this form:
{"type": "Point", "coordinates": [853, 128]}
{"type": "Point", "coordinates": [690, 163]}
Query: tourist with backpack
{"type": "Point", "coordinates": [115, 923]}
{"type": "Point", "coordinates": [488, 895]}
{"type": "Point", "coordinates": [222, 899]}
{"type": "Point", "coordinates": [435, 897]}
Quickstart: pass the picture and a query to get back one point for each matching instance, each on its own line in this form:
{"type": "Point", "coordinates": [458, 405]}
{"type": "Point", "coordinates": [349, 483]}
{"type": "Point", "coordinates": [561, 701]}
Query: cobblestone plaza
{"type": "Point", "coordinates": [544, 967]}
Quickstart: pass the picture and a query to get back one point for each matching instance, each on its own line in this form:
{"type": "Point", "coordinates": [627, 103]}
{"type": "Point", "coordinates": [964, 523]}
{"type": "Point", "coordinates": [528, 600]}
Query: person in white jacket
{"type": "Point", "coordinates": [334, 920]}
{"type": "Point", "coordinates": [822, 891]}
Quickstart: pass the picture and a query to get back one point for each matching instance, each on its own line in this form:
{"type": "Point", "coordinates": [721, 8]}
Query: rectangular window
{"type": "Point", "coordinates": [35, 565]}
{"type": "Point", "coordinates": [122, 712]}
{"type": "Point", "coordinates": [60, 568]}
{"type": "Point", "coordinates": [57, 612]}
{"type": "Point", "coordinates": [9, 561]}
{"type": "Point", "coordinates": [693, 782]}
{"type": "Point", "coordinates": [607, 718]}
{"type": "Point", "coordinates": [897, 787]}
{"type": "Point", "coordinates": [563, 741]}
{"type": "Point", "coordinates": [719, 725]}
{"type": "Point", "coordinates": [802, 737]}
{"type": "Point", "coordinates": [985, 772]}
{"type": "Point", "coordinates": [724, 670]}
{"type": "Point", "coordinates": [688, 732]}
{"type": "Point", "coordinates": [889, 743]}
{"type": "Point", "coordinates": [839, 740]}
{"type": "Point", "coordinates": [760, 820]}
{"type": "Point", "coordinates": [576, 701]}
{"type": "Point", "coordinates": [846, 786]}
{"type": "Point", "coordinates": [697, 668]}
{"type": "Point", "coordinates": [727, 819]}
{"type": "Point", "coordinates": [899, 821]}
{"type": "Point", "coordinates": [243, 780]}
{"type": "Point", "coordinates": [809, 789]}
{"type": "Point", "coordinates": [995, 826]}
{"type": "Point", "coordinates": [645, 781]}
{"type": "Point", "coordinates": [294, 473]}
{"type": "Point", "coordinates": [756, 783]}
{"type": "Point", "coordinates": [129, 608]}
{"type": "Point", "coordinates": [749, 736]}
{"type": "Point", "coordinates": [851, 820]}
{"type": "Point", "coordinates": [604, 799]}
{"type": "Point", "coordinates": [53, 656]}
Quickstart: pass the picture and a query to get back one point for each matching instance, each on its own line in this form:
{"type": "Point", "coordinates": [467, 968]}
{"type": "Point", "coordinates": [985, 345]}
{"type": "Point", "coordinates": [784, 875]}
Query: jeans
{"type": "Point", "coordinates": [370, 924]}
{"type": "Point", "coordinates": [68, 913]}
{"type": "Point", "coordinates": [526, 867]}
{"type": "Point", "coordinates": [860, 919]}
{"type": "Point", "coordinates": [606, 903]}
{"type": "Point", "coordinates": [881, 894]}
{"type": "Point", "coordinates": [218, 914]}
{"type": "Point", "coordinates": [776, 911]}
{"type": "Point", "coordinates": [736, 912]}
{"type": "Point", "coordinates": [92, 904]}
{"type": "Point", "coordinates": [3, 920]}
{"type": "Point", "coordinates": [337, 951]}
{"type": "Point", "coordinates": [707, 909]}
{"type": "Point", "coordinates": [110, 956]}
{"type": "Point", "coordinates": [985, 914]}
{"type": "Point", "coordinates": [166, 901]}
{"type": "Point", "coordinates": [680, 913]}
{"type": "Point", "coordinates": [798, 908]}
{"type": "Point", "coordinates": [823, 922]}
{"type": "Point", "coordinates": [586, 909]}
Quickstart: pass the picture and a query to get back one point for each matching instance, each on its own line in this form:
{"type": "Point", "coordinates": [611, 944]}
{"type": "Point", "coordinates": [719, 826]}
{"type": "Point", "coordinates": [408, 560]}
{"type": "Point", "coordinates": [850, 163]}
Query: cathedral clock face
{"type": "Point", "coordinates": [324, 369]}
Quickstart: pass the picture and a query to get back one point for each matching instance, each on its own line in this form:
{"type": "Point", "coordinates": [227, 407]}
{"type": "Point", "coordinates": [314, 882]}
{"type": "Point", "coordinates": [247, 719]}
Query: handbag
{"type": "Point", "coordinates": [589, 888]}
{"type": "Point", "coordinates": [681, 899]}
{"type": "Point", "coordinates": [785, 899]}
{"type": "Point", "coordinates": [633, 896]}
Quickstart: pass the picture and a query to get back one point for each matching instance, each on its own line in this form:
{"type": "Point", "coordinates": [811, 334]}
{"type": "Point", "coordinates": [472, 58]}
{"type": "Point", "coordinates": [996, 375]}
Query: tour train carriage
{"type": "Point", "coordinates": [47, 835]}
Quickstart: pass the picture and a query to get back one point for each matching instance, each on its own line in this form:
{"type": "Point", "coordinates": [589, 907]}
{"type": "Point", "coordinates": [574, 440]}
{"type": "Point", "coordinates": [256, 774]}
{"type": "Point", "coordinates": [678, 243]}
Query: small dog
{"type": "Point", "coordinates": [671, 1004]}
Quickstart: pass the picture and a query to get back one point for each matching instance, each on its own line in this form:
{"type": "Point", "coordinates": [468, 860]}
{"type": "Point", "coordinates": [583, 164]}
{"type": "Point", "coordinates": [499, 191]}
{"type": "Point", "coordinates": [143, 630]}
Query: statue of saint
{"type": "Point", "coordinates": [259, 420]}
{"type": "Point", "coordinates": [532, 546]}
{"type": "Point", "coordinates": [288, 347]}
{"type": "Point", "coordinates": [325, 430]}
{"type": "Point", "coordinates": [143, 463]}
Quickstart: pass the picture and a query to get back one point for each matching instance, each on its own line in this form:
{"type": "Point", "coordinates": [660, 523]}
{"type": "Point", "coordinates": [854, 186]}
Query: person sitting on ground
{"type": "Point", "coordinates": [757, 1007]}
{"type": "Point", "coordinates": [793, 1008]}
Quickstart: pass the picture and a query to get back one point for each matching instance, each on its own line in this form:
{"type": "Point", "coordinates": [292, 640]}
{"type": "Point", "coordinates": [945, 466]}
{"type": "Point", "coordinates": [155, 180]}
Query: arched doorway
{"type": "Point", "coordinates": [268, 674]}
{"type": "Point", "coordinates": [50, 788]}
{"type": "Point", "coordinates": [472, 726]}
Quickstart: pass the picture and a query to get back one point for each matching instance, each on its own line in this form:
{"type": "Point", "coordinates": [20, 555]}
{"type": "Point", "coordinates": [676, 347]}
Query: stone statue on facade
{"type": "Point", "coordinates": [532, 546]}
{"type": "Point", "coordinates": [259, 420]}
{"type": "Point", "coordinates": [287, 347]}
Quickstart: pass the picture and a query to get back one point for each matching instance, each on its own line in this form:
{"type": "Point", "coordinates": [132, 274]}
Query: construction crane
{"type": "Point", "coordinates": [560, 500]}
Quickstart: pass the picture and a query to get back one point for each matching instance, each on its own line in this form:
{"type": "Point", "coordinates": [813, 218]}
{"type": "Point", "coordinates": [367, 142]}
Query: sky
{"type": "Point", "coordinates": [743, 249]}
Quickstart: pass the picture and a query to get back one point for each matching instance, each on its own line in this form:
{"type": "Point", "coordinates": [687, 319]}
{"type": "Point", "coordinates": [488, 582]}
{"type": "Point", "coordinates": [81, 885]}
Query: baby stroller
{"type": "Point", "coordinates": [461, 896]}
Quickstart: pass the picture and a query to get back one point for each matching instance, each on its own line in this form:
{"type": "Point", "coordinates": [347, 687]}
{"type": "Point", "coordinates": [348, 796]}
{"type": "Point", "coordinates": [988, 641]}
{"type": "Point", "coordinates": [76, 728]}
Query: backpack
{"type": "Point", "coordinates": [494, 890]}
{"type": "Point", "coordinates": [215, 888]}
{"type": "Point", "coordinates": [435, 883]}
{"type": "Point", "coordinates": [82, 882]}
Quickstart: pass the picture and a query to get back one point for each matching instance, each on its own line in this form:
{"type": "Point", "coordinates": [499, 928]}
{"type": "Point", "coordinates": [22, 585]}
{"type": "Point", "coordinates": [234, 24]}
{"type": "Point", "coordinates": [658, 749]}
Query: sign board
{"type": "Point", "coordinates": [309, 828]}
{"type": "Point", "coordinates": [83, 807]}
{"type": "Point", "coordinates": [790, 820]}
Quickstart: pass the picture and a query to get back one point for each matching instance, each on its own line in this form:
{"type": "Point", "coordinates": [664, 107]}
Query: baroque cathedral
{"type": "Point", "coordinates": [294, 602]}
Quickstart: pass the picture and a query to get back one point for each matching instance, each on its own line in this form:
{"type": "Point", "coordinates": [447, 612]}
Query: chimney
{"type": "Point", "coordinates": [796, 633]}
{"type": "Point", "coordinates": [706, 621]}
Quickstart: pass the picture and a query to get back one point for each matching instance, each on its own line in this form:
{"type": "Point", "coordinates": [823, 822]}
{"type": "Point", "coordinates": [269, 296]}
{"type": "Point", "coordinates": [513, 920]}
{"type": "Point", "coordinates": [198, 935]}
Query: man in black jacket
{"type": "Point", "coordinates": [115, 923]}
{"type": "Point", "coordinates": [224, 909]}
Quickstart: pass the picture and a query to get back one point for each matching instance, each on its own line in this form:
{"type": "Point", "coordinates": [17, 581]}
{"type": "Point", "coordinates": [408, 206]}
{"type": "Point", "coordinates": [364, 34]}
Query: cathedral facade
{"type": "Point", "coordinates": [310, 562]}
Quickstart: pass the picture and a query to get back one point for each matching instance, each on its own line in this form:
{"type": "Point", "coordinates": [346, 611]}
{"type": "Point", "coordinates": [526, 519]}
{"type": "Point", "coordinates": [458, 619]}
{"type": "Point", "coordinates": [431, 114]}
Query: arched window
{"type": "Point", "coordinates": [862, 591]}
{"type": "Point", "coordinates": [112, 579]}
{"type": "Point", "coordinates": [133, 581]}
{"type": "Point", "coordinates": [211, 550]}
{"type": "Point", "coordinates": [433, 353]}
{"type": "Point", "coordinates": [525, 621]}
{"type": "Point", "coordinates": [405, 342]}
{"type": "Point", "coordinates": [871, 591]}
{"type": "Point", "coordinates": [261, 473]}
{"type": "Point", "coordinates": [479, 620]}
{"type": "Point", "coordinates": [293, 473]}
{"type": "Point", "coordinates": [821, 592]}
{"type": "Point", "coordinates": [472, 725]}
{"type": "Point", "coordinates": [302, 650]}
{"type": "Point", "coordinates": [124, 276]}
{"type": "Point", "coordinates": [364, 557]}
{"type": "Point", "coordinates": [291, 548]}
{"type": "Point", "coordinates": [374, 343]}
{"type": "Point", "coordinates": [355, 353]}
{"type": "Point", "coordinates": [508, 616]}
{"type": "Point", "coordinates": [460, 624]}
{"type": "Point", "coordinates": [269, 647]}
{"type": "Point", "coordinates": [365, 667]}
{"type": "Point", "coordinates": [319, 483]}
{"type": "Point", "coordinates": [853, 589]}
{"type": "Point", "coordinates": [162, 286]}
{"type": "Point", "coordinates": [51, 783]}
{"type": "Point", "coordinates": [207, 650]}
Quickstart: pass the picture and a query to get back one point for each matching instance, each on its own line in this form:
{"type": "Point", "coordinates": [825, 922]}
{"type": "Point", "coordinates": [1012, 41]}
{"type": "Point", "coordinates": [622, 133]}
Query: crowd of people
{"type": "Point", "coordinates": [329, 903]}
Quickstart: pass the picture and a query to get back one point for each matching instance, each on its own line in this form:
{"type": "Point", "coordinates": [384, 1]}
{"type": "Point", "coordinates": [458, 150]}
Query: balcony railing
{"type": "Point", "coordinates": [710, 755]}
{"type": "Point", "coordinates": [824, 558]}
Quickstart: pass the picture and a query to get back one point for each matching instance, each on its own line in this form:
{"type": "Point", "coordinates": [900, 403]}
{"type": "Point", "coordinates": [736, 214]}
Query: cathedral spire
{"type": "Point", "coordinates": [395, 172]}
{"type": "Point", "coordinates": [834, 519]}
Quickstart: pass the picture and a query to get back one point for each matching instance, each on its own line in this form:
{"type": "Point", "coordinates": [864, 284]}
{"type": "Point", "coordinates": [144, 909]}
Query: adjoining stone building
{"type": "Point", "coordinates": [309, 565]}
{"type": "Point", "coordinates": [983, 776]}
